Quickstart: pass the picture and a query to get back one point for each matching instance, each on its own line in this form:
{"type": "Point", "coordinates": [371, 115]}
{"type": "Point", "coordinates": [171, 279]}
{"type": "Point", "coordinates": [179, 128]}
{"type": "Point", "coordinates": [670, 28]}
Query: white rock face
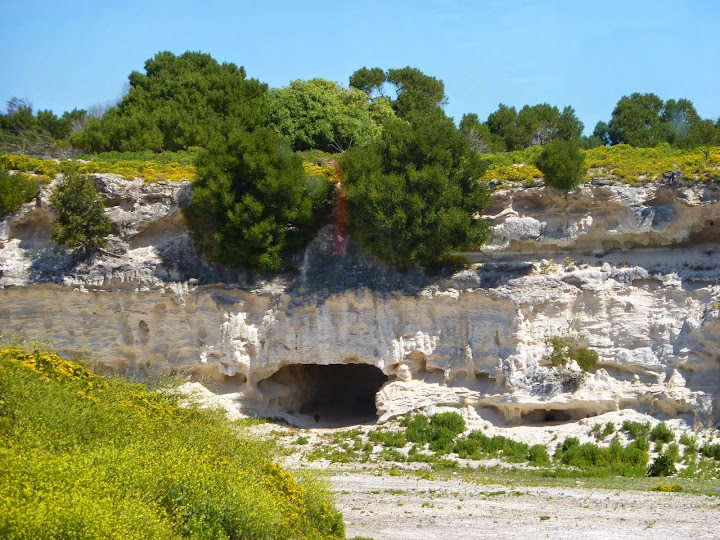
{"type": "Point", "coordinates": [476, 340]}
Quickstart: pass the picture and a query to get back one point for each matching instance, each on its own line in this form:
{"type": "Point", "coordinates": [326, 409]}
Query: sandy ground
{"type": "Point", "coordinates": [408, 507]}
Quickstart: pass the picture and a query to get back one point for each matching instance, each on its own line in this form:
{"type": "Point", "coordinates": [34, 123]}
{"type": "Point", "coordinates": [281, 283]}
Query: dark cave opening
{"type": "Point", "coordinates": [332, 395]}
{"type": "Point", "coordinates": [541, 416]}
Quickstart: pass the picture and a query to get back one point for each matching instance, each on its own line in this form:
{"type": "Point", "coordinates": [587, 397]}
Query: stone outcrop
{"type": "Point", "coordinates": [638, 284]}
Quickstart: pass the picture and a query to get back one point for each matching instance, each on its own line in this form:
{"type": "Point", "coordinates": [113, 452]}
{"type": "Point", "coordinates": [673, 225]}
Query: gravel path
{"type": "Point", "coordinates": [390, 507]}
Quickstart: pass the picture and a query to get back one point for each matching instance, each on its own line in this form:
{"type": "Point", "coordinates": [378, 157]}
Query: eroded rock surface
{"type": "Point", "coordinates": [639, 285]}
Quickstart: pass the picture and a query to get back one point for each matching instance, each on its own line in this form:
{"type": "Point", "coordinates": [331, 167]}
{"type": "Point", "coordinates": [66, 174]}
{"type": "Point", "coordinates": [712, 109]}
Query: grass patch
{"type": "Point", "coordinates": [82, 456]}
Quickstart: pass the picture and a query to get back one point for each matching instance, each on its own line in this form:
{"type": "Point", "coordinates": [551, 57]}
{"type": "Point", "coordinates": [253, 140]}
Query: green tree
{"type": "Point", "coordinates": [413, 193]}
{"type": "Point", "coordinates": [368, 80]}
{"type": "Point", "coordinates": [252, 204]}
{"type": "Point", "coordinates": [636, 120]}
{"type": "Point", "coordinates": [81, 221]}
{"type": "Point", "coordinates": [180, 101]}
{"type": "Point", "coordinates": [601, 132]}
{"type": "Point", "coordinates": [680, 118]}
{"type": "Point", "coordinates": [320, 114]}
{"type": "Point", "coordinates": [562, 164]}
{"type": "Point", "coordinates": [479, 136]}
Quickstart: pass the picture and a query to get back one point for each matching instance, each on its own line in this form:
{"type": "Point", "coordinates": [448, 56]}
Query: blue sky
{"type": "Point", "coordinates": [66, 54]}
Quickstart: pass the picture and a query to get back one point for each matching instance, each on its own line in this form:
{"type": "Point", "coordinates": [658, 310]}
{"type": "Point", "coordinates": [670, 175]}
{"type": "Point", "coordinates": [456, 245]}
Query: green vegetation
{"type": "Point", "coordinates": [81, 221]}
{"type": "Point", "coordinates": [662, 433]}
{"type": "Point", "coordinates": [566, 350]}
{"type": "Point", "coordinates": [253, 203]}
{"type": "Point", "coordinates": [562, 165]}
{"type": "Point", "coordinates": [151, 167]}
{"type": "Point", "coordinates": [636, 429]}
{"type": "Point", "coordinates": [320, 114]}
{"type": "Point", "coordinates": [179, 102]}
{"type": "Point", "coordinates": [664, 465]}
{"type": "Point", "coordinates": [413, 192]}
{"type": "Point", "coordinates": [82, 456]}
{"type": "Point", "coordinates": [596, 460]}
{"type": "Point", "coordinates": [15, 190]}
{"type": "Point", "coordinates": [412, 180]}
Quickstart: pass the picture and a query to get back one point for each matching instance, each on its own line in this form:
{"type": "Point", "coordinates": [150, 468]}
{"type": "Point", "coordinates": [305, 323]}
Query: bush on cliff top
{"type": "Point", "coordinates": [83, 456]}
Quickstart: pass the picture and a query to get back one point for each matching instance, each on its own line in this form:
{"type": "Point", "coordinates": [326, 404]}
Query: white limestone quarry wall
{"type": "Point", "coordinates": [641, 289]}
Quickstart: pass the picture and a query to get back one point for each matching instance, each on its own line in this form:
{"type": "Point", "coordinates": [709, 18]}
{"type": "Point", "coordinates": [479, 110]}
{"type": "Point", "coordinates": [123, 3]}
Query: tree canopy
{"type": "Point", "coordinates": [506, 129]}
{"type": "Point", "coordinates": [81, 221]}
{"type": "Point", "coordinates": [252, 203]}
{"type": "Point", "coordinates": [179, 102]}
{"type": "Point", "coordinates": [413, 192]}
{"type": "Point", "coordinates": [562, 165]}
{"type": "Point", "coordinates": [321, 114]}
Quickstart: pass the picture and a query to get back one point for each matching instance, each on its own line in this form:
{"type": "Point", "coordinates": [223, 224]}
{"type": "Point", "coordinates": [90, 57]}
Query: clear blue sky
{"type": "Point", "coordinates": [585, 53]}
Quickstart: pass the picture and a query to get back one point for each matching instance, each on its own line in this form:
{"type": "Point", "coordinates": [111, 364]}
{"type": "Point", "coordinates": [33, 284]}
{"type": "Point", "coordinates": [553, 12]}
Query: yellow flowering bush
{"type": "Point", "coordinates": [517, 173]}
{"type": "Point", "coordinates": [328, 171]}
{"type": "Point", "coordinates": [150, 171]}
{"type": "Point", "coordinates": [623, 163]}
{"type": "Point", "coordinates": [130, 464]}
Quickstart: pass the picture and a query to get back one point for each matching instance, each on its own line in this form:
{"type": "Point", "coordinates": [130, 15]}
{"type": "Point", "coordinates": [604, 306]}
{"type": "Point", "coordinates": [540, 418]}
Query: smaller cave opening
{"type": "Point", "coordinates": [332, 395]}
{"type": "Point", "coordinates": [541, 416]}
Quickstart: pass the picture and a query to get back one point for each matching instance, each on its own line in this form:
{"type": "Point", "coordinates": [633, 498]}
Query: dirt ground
{"type": "Point", "coordinates": [395, 507]}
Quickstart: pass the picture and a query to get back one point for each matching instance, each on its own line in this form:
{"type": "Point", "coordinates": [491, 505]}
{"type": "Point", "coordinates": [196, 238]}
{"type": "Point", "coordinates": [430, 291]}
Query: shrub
{"type": "Point", "coordinates": [387, 438]}
{"type": "Point", "coordinates": [15, 190]}
{"type": "Point", "coordinates": [609, 429]}
{"type": "Point", "coordinates": [627, 461]}
{"type": "Point", "coordinates": [566, 350]}
{"type": "Point", "coordinates": [252, 203]}
{"type": "Point", "coordinates": [689, 442]}
{"type": "Point", "coordinates": [562, 164]}
{"type": "Point", "coordinates": [636, 429]}
{"type": "Point", "coordinates": [662, 433]}
{"type": "Point", "coordinates": [81, 221]}
{"type": "Point", "coordinates": [439, 431]}
{"type": "Point", "coordinates": [538, 455]}
{"type": "Point", "coordinates": [673, 451]}
{"type": "Point", "coordinates": [477, 445]}
{"type": "Point", "coordinates": [711, 451]}
{"type": "Point", "coordinates": [668, 488]}
{"type": "Point", "coordinates": [664, 465]}
{"type": "Point", "coordinates": [641, 443]}
{"type": "Point", "coordinates": [413, 193]}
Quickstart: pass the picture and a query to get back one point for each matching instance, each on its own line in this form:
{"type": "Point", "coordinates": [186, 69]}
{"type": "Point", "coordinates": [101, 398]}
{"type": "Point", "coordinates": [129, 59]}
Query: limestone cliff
{"type": "Point", "coordinates": [630, 272]}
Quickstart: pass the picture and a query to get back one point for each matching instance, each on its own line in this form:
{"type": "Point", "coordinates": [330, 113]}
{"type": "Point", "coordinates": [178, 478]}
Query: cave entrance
{"type": "Point", "coordinates": [335, 395]}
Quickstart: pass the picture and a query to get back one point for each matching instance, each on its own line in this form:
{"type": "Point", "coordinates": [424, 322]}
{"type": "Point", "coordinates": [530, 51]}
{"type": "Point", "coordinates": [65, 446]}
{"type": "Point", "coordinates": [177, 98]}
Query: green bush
{"type": "Point", "coordinates": [439, 431]}
{"type": "Point", "coordinates": [538, 455]}
{"type": "Point", "coordinates": [626, 461]}
{"type": "Point", "coordinates": [252, 203]}
{"type": "Point", "coordinates": [673, 451]}
{"type": "Point", "coordinates": [664, 465]}
{"type": "Point", "coordinates": [566, 350]}
{"type": "Point", "coordinates": [562, 164]}
{"type": "Point", "coordinates": [477, 445]}
{"type": "Point", "coordinates": [87, 457]}
{"type": "Point", "coordinates": [609, 429]}
{"type": "Point", "coordinates": [636, 429]}
{"type": "Point", "coordinates": [15, 190]}
{"type": "Point", "coordinates": [413, 193]}
{"type": "Point", "coordinates": [711, 451]}
{"type": "Point", "coordinates": [662, 433]}
{"type": "Point", "coordinates": [81, 221]}
{"type": "Point", "coordinates": [387, 438]}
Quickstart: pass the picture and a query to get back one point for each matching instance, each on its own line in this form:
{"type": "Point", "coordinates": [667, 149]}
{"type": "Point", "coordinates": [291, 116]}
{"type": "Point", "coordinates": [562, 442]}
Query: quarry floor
{"type": "Point", "coordinates": [407, 501]}
{"type": "Point", "coordinates": [404, 507]}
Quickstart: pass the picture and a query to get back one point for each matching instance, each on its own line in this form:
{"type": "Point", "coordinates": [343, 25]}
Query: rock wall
{"type": "Point", "coordinates": [638, 284]}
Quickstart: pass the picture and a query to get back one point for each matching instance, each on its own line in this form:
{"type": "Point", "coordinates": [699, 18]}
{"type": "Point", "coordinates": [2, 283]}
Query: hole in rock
{"type": "Point", "coordinates": [541, 416]}
{"type": "Point", "coordinates": [326, 396]}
